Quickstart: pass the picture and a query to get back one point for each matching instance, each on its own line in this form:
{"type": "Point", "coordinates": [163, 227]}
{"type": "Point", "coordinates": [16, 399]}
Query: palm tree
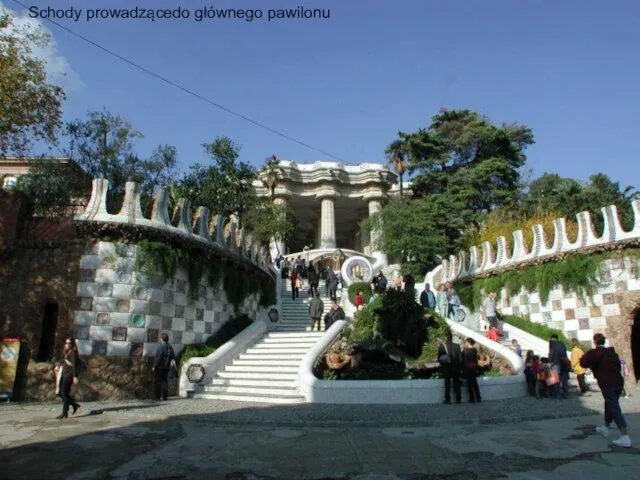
{"type": "Point", "coordinates": [272, 173]}
{"type": "Point", "coordinates": [397, 159]}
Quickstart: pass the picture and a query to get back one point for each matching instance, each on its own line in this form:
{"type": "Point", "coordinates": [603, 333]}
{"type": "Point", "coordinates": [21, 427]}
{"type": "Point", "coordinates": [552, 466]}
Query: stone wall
{"type": "Point", "coordinates": [87, 267]}
{"type": "Point", "coordinates": [609, 311]}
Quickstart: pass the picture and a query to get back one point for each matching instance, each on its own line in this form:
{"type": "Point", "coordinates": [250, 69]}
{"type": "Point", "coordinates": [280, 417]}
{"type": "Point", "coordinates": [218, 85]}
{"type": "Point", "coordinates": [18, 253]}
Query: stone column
{"type": "Point", "coordinates": [381, 257]}
{"type": "Point", "coordinates": [328, 225]}
{"type": "Point", "coordinates": [279, 245]}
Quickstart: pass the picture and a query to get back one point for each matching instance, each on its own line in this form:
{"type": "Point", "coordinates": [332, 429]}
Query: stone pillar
{"type": "Point", "coordinates": [278, 246]}
{"type": "Point", "coordinates": [328, 225]}
{"type": "Point", "coordinates": [381, 257]}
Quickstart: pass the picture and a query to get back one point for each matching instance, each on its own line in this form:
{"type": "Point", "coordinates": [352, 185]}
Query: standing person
{"type": "Point", "coordinates": [295, 285]}
{"type": "Point", "coordinates": [409, 284]}
{"type": "Point", "coordinates": [515, 346]}
{"type": "Point", "coordinates": [450, 358]}
{"type": "Point", "coordinates": [316, 307]}
{"type": "Point", "coordinates": [427, 298]}
{"type": "Point", "coordinates": [489, 313]}
{"type": "Point", "coordinates": [313, 281]}
{"type": "Point", "coordinates": [68, 377]}
{"type": "Point", "coordinates": [359, 300]}
{"type": "Point", "coordinates": [470, 369]}
{"type": "Point", "coordinates": [530, 372]}
{"type": "Point", "coordinates": [336, 313]}
{"type": "Point", "coordinates": [382, 283]}
{"type": "Point", "coordinates": [332, 286]}
{"type": "Point", "coordinates": [441, 300]}
{"type": "Point", "coordinates": [161, 367]}
{"type": "Point", "coordinates": [576, 355]}
{"type": "Point", "coordinates": [559, 363]}
{"type": "Point", "coordinates": [605, 364]}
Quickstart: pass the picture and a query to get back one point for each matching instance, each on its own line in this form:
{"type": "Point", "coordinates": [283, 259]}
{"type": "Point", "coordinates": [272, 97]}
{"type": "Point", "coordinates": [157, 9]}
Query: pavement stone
{"type": "Point", "coordinates": [204, 439]}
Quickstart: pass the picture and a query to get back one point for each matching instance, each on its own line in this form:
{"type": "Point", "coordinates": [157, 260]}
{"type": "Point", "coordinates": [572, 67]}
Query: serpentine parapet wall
{"type": "Point", "coordinates": [483, 261]}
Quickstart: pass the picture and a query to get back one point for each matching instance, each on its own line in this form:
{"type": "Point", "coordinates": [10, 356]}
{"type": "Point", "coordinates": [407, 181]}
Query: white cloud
{"type": "Point", "coordinates": [58, 69]}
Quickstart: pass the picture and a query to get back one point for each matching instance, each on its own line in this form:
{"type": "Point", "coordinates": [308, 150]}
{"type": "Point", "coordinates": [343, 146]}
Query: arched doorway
{"type": "Point", "coordinates": [635, 344]}
{"type": "Point", "coordinates": [48, 332]}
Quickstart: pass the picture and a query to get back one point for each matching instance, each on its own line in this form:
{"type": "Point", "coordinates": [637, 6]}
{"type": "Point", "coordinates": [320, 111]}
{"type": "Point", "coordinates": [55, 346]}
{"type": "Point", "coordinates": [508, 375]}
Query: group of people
{"type": "Point", "coordinates": [71, 366]}
{"type": "Point", "coordinates": [445, 301]}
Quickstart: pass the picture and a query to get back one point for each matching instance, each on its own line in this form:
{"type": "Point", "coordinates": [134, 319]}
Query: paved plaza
{"type": "Point", "coordinates": [200, 439]}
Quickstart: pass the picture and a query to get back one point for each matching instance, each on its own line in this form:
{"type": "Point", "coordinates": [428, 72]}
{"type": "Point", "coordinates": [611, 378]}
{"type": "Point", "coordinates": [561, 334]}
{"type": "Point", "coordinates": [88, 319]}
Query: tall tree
{"type": "Point", "coordinates": [225, 186]}
{"type": "Point", "coordinates": [267, 221]}
{"type": "Point", "coordinates": [103, 145]}
{"type": "Point", "coordinates": [463, 166]}
{"type": "Point", "coordinates": [30, 106]}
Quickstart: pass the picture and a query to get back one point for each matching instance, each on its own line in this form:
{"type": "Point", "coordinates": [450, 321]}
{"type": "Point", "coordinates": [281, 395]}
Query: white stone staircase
{"type": "Point", "coordinates": [267, 371]}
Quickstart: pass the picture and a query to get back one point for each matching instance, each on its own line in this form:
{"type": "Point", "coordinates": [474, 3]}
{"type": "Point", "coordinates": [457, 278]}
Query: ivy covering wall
{"type": "Point", "coordinates": [158, 258]}
{"type": "Point", "coordinates": [575, 272]}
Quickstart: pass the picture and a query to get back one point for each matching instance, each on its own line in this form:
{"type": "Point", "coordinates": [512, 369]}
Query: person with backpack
{"type": "Point", "coordinates": [162, 364]}
{"type": "Point", "coordinates": [67, 377]}
{"type": "Point", "coordinates": [604, 362]}
{"type": "Point", "coordinates": [450, 359]}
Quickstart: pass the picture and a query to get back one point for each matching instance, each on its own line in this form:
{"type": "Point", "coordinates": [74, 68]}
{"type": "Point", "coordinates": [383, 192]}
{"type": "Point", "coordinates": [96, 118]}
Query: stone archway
{"type": "Point", "coordinates": [620, 328]}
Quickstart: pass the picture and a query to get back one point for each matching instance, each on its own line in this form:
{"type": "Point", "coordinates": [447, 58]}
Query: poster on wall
{"type": "Point", "coordinates": [9, 354]}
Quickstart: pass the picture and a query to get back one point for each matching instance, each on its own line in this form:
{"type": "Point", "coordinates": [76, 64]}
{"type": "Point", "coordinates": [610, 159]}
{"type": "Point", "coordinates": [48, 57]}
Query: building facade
{"type": "Point", "coordinates": [329, 200]}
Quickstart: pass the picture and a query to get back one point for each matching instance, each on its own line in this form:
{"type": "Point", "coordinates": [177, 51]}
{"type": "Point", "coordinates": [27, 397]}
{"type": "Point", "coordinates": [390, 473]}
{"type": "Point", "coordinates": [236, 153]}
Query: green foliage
{"type": "Point", "coordinates": [226, 332]}
{"type": "Point", "coordinates": [463, 166]}
{"type": "Point", "coordinates": [225, 186]}
{"type": "Point", "coordinates": [354, 288]}
{"type": "Point", "coordinates": [53, 187]}
{"type": "Point", "coordinates": [267, 220]}
{"type": "Point", "coordinates": [551, 192]}
{"type": "Point", "coordinates": [158, 258]}
{"type": "Point", "coordinates": [365, 324]}
{"type": "Point", "coordinates": [30, 106]}
{"type": "Point", "coordinates": [540, 330]}
{"type": "Point", "coordinates": [401, 320]}
{"type": "Point", "coordinates": [103, 146]}
{"type": "Point", "coordinates": [575, 273]}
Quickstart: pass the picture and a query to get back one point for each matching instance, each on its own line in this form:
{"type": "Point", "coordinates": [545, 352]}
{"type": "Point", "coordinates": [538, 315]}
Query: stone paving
{"type": "Point", "coordinates": [200, 439]}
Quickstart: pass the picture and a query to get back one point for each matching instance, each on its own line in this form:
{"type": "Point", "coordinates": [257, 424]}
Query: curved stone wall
{"type": "Point", "coordinates": [483, 261]}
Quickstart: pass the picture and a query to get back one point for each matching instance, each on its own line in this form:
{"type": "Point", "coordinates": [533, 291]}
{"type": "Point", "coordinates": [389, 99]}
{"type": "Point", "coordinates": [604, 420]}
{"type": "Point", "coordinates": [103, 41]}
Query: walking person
{"type": "Point", "coordinates": [67, 377]}
{"type": "Point", "coordinates": [450, 358]}
{"type": "Point", "coordinates": [576, 355]}
{"type": "Point", "coordinates": [559, 363]}
{"type": "Point", "coordinates": [470, 370]}
{"type": "Point", "coordinates": [332, 286]}
{"type": "Point", "coordinates": [489, 313]}
{"type": "Point", "coordinates": [295, 285]}
{"type": "Point", "coordinates": [605, 364]}
{"type": "Point", "coordinates": [162, 364]}
{"type": "Point", "coordinates": [313, 281]}
{"type": "Point", "coordinates": [316, 307]}
{"type": "Point", "coordinates": [441, 300]}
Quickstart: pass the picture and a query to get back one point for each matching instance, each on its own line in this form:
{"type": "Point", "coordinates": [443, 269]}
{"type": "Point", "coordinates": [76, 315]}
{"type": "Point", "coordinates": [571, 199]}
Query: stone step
{"type": "Point", "coordinates": [281, 392]}
{"type": "Point", "coordinates": [276, 351]}
{"type": "Point", "coordinates": [261, 362]}
{"type": "Point", "coordinates": [271, 356]}
{"type": "Point", "coordinates": [288, 340]}
{"type": "Point", "coordinates": [251, 398]}
{"type": "Point", "coordinates": [244, 382]}
{"type": "Point", "coordinates": [274, 334]}
{"type": "Point", "coordinates": [292, 377]}
{"type": "Point", "coordinates": [261, 369]}
{"type": "Point", "coordinates": [283, 343]}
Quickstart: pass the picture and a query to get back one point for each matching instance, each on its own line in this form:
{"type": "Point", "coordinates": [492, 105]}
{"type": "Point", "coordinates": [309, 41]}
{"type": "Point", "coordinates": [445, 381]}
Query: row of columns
{"type": "Point", "coordinates": [327, 226]}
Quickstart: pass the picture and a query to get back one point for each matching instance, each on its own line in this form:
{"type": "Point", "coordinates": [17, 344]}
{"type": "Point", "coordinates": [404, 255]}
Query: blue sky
{"type": "Point", "coordinates": [347, 84]}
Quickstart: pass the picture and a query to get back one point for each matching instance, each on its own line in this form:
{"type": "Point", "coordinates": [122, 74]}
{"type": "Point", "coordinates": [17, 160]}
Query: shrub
{"type": "Point", "coordinates": [401, 320]}
{"type": "Point", "coordinates": [540, 330]}
{"type": "Point", "coordinates": [365, 324]}
{"type": "Point", "coordinates": [354, 288]}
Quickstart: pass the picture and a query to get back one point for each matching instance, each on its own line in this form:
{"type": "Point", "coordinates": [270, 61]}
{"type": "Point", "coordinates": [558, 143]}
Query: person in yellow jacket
{"type": "Point", "coordinates": [576, 355]}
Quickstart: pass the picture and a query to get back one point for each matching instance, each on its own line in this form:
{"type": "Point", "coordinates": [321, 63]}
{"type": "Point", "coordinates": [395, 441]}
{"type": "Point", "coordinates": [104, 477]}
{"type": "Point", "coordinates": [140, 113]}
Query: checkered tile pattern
{"type": "Point", "coordinates": [120, 313]}
{"type": "Point", "coordinates": [579, 318]}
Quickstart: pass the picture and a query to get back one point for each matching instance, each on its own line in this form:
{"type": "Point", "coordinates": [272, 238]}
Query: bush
{"type": "Point", "coordinates": [540, 330]}
{"type": "Point", "coordinates": [365, 324]}
{"type": "Point", "coordinates": [401, 320]}
{"type": "Point", "coordinates": [354, 288]}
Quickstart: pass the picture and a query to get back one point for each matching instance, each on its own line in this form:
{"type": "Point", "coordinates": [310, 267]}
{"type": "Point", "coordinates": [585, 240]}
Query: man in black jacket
{"type": "Point", "coordinates": [161, 367]}
{"type": "Point", "coordinates": [450, 358]}
{"type": "Point", "coordinates": [559, 361]}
